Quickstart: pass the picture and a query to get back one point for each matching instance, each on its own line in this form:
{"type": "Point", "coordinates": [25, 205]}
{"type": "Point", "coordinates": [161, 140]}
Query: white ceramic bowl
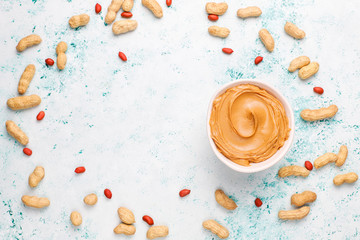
{"type": "Point", "coordinates": [255, 167]}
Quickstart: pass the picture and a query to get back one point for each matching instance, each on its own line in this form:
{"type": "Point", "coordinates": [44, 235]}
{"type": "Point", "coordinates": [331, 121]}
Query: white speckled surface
{"type": "Point", "coordinates": [139, 127]}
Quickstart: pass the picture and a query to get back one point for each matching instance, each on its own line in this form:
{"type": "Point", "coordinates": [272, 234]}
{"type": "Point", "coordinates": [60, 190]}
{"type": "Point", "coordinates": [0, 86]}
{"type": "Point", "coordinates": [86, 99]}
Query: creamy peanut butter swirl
{"type": "Point", "coordinates": [248, 124]}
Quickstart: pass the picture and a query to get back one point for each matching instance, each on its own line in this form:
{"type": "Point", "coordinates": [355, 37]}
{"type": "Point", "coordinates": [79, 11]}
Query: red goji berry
{"type": "Point", "coordinates": [107, 193]}
{"type": "Point", "coordinates": [49, 62]}
{"type": "Point", "coordinates": [308, 165]}
{"type": "Point", "coordinates": [122, 56]}
{"type": "Point", "coordinates": [319, 90]}
{"type": "Point", "coordinates": [97, 8]}
{"type": "Point", "coordinates": [168, 2]}
{"type": "Point", "coordinates": [40, 115]}
{"type": "Point", "coordinates": [227, 50]}
{"type": "Point", "coordinates": [258, 60]}
{"type": "Point", "coordinates": [148, 220]}
{"type": "Point", "coordinates": [27, 151]}
{"type": "Point", "coordinates": [184, 192]}
{"type": "Point", "coordinates": [80, 169]}
{"type": "Point", "coordinates": [213, 17]}
{"type": "Point", "coordinates": [126, 14]}
{"type": "Point", "coordinates": [258, 202]}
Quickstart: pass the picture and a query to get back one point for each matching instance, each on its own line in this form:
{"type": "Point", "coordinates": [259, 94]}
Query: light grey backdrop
{"type": "Point", "coordinates": [140, 127]}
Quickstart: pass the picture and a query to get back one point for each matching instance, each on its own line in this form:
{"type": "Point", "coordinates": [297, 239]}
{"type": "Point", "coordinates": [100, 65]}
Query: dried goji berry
{"type": "Point", "coordinates": [27, 151]}
{"type": "Point", "coordinates": [184, 192]}
{"type": "Point", "coordinates": [80, 169]}
{"type": "Point", "coordinates": [107, 193]}
{"type": "Point", "coordinates": [97, 8]}
{"type": "Point", "coordinates": [40, 115]}
{"type": "Point", "coordinates": [49, 62]}
{"type": "Point", "coordinates": [258, 202]}
{"type": "Point", "coordinates": [148, 220]}
{"type": "Point", "coordinates": [213, 17]}
{"type": "Point", "coordinates": [258, 60]}
{"type": "Point", "coordinates": [308, 165]}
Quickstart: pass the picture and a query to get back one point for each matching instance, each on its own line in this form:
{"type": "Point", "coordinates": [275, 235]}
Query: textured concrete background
{"type": "Point", "coordinates": [140, 127]}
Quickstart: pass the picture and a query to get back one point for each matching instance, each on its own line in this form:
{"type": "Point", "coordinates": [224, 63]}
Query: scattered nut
{"type": "Point", "coordinates": [125, 229]}
{"type": "Point", "coordinates": [325, 159]}
{"type": "Point", "coordinates": [40, 116]}
{"type": "Point", "coordinates": [148, 220]}
{"type": "Point", "coordinates": [97, 8]}
{"type": "Point", "coordinates": [35, 202]}
{"type": "Point", "coordinates": [249, 12]}
{"type": "Point", "coordinates": [23, 102]}
{"type": "Point", "coordinates": [221, 32]}
{"type": "Point", "coordinates": [216, 228]}
{"type": "Point", "coordinates": [227, 50]}
{"type": "Point", "coordinates": [300, 199]}
{"type": "Point", "coordinates": [309, 70]}
{"type": "Point", "coordinates": [28, 41]}
{"type": "Point", "coordinates": [258, 60]}
{"type": "Point", "coordinates": [294, 214]}
{"type": "Point", "coordinates": [308, 165]}
{"type": "Point", "coordinates": [216, 8]}
{"type": "Point", "coordinates": [61, 58]}
{"type": "Point", "coordinates": [90, 199]}
{"type": "Point", "coordinates": [26, 78]}
{"type": "Point", "coordinates": [184, 192]}
{"type": "Point", "coordinates": [108, 193]}
{"type": "Point", "coordinates": [213, 17]}
{"type": "Point", "coordinates": [27, 151]}
{"type": "Point", "coordinates": [298, 63]}
{"type": "Point", "coordinates": [157, 231]}
{"type": "Point", "coordinates": [224, 200]}
{"type": "Point", "coordinates": [128, 5]}
{"type": "Point", "coordinates": [342, 155]}
{"type": "Point", "coordinates": [122, 56]}
{"type": "Point", "coordinates": [319, 114]}
{"type": "Point", "coordinates": [294, 31]}
{"type": "Point", "coordinates": [124, 26]}
{"type": "Point", "coordinates": [16, 132]}
{"type": "Point", "coordinates": [345, 178]}
{"type": "Point", "coordinates": [49, 62]}
{"type": "Point", "coordinates": [267, 39]}
{"type": "Point", "coordinates": [76, 218]}
{"type": "Point", "coordinates": [154, 7]}
{"type": "Point", "coordinates": [126, 14]}
{"type": "Point", "coordinates": [79, 20]}
{"type": "Point", "coordinates": [258, 202]}
{"type": "Point", "coordinates": [113, 8]}
{"type": "Point", "coordinates": [126, 216]}
{"type": "Point", "coordinates": [318, 90]}
{"type": "Point", "coordinates": [293, 170]}
{"type": "Point", "coordinates": [80, 170]}
{"type": "Point", "coordinates": [36, 176]}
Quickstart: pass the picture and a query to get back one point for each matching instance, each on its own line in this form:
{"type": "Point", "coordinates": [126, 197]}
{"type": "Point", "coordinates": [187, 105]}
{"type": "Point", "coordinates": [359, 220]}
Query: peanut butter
{"type": "Point", "coordinates": [248, 124]}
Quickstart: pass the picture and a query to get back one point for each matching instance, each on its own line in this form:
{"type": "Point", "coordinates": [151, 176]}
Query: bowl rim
{"type": "Point", "coordinates": [280, 153]}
